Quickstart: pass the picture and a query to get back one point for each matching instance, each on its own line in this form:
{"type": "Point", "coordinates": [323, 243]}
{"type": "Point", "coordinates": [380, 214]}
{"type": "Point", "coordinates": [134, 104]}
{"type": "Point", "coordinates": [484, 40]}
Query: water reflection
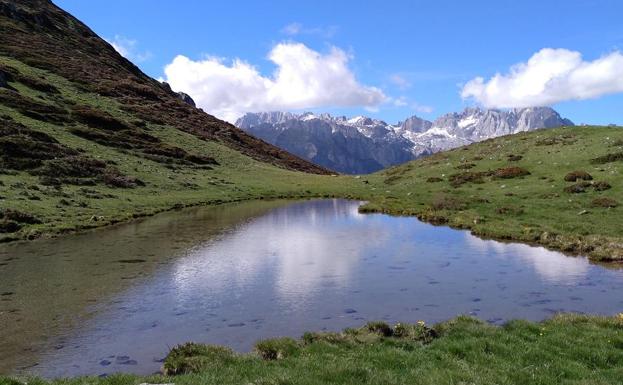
{"type": "Point", "coordinates": [235, 274]}
{"type": "Point", "coordinates": [549, 265]}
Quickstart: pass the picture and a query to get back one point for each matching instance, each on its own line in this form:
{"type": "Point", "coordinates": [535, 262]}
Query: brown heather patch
{"type": "Point", "coordinates": [601, 185]}
{"type": "Point", "coordinates": [509, 210]}
{"type": "Point", "coordinates": [457, 180]}
{"type": "Point", "coordinates": [577, 188]}
{"type": "Point", "coordinates": [447, 202]}
{"type": "Point", "coordinates": [578, 175]}
{"type": "Point", "coordinates": [565, 139]}
{"type": "Point", "coordinates": [510, 172]}
{"type": "Point", "coordinates": [604, 202]}
{"type": "Point", "coordinates": [608, 158]}
{"type": "Point", "coordinates": [433, 179]}
{"type": "Point", "coordinates": [33, 108]}
{"type": "Point", "coordinates": [466, 166]}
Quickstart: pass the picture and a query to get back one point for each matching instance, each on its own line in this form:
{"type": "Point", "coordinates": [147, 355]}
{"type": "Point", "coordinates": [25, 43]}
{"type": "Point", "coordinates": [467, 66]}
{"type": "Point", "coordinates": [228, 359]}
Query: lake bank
{"type": "Point", "coordinates": [569, 349]}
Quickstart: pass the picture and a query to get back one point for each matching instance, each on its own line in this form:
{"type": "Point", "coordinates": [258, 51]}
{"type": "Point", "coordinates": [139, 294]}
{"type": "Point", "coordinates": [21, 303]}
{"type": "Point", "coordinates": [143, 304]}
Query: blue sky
{"type": "Point", "coordinates": [405, 57]}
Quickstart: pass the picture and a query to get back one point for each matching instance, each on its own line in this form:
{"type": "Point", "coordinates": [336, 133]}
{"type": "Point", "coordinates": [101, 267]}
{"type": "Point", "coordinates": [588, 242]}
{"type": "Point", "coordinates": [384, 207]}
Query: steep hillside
{"type": "Point", "coordinates": [37, 34]}
{"type": "Point", "coordinates": [86, 139]}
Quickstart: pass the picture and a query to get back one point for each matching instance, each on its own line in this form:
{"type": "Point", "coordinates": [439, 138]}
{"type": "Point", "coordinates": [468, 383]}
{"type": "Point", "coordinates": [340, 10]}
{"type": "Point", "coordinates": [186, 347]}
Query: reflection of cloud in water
{"type": "Point", "coordinates": [550, 265]}
{"type": "Point", "coordinates": [294, 252]}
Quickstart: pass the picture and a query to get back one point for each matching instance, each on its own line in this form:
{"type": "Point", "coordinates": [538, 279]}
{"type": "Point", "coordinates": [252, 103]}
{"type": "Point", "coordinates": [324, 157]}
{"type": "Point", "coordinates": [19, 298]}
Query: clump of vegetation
{"type": "Point", "coordinates": [510, 172]}
{"type": "Point", "coordinates": [608, 158]}
{"type": "Point", "coordinates": [447, 202]}
{"type": "Point", "coordinates": [96, 118]}
{"type": "Point", "coordinates": [466, 166]}
{"type": "Point", "coordinates": [12, 74]}
{"type": "Point", "coordinates": [565, 139]}
{"type": "Point", "coordinates": [326, 337]}
{"type": "Point", "coordinates": [8, 226]}
{"type": "Point", "coordinates": [19, 216]}
{"type": "Point", "coordinates": [380, 327]}
{"type": "Point", "coordinates": [434, 179]}
{"type": "Point", "coordinates": [457, 180]}
{"type": "Point", "coordinates": [509, 210]}
{"type": "Point", "coordinates": [604, 202]}
{"type": "Point", "coordinates": [191, 358]}
{"type": "Point", "coordinates": [514, 158]}
{"type": "Point", "coordinates": [22, 148]}
{"type": "Point", "coordinates": [578, 175]}
{"type": "Point", "coordinates": [601, 185]}
{"type": "Point", "coordinates": [415, 332]}
{"type": "Point", "coordinates": [578, 188]}
{"type": "Point", "coordinates": [276, 348]}
{"type": "Point", "coordinates": [584, 186]}
{"type": "Point", "coordinates": [34, 109]}
{"type": "Point", "coordinates": [113, 178]}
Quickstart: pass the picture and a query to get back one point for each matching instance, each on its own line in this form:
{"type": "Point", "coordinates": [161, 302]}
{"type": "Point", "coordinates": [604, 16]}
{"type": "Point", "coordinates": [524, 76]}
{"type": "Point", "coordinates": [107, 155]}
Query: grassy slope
{"type": "Point", "coordinates": [567, 349]}
{"type": "Point", "coordinates": [533, 208]}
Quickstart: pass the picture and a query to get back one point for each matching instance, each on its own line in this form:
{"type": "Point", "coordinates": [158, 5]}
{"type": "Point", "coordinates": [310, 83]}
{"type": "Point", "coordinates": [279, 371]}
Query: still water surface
{"type": "Point", "coordinates": [117, 299]}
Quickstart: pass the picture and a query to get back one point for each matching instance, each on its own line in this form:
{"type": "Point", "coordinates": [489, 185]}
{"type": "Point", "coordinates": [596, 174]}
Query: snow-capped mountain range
{"type": "Point", "coordinates": [362, 144]}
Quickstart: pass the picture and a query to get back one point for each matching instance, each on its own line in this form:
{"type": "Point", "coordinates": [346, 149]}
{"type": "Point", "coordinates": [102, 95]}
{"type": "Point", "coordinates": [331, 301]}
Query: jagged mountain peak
{"type": "Point", "coordinates": [364, 144]}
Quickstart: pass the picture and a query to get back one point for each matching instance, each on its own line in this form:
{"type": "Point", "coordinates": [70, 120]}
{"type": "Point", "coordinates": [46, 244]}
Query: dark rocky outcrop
{"type": "Point", "coordinates": [186, 99]}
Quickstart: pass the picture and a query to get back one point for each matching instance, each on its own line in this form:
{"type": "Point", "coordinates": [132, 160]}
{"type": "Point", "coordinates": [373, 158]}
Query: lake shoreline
{"type": "Point", "coordinates": [460, 348]}
{"type": "Point", "coordinates": [596, 249]}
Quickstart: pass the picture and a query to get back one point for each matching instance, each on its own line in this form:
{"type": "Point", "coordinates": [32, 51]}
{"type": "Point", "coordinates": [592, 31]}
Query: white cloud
{"type": "Point", "coordinates": [422, 108]}
{"type": "Point", "coordinates": [548, 77]}
{"type": "Point", "coordinates": [304, 78]}
{"type": "Point", "coordinates": [400, 81]}
{"type": "Point", "coordinates": [294, 29]}
{"type": "Point", "coordinates": [128, 49]}
{"type": "Point", "coordinates": [403, 101]}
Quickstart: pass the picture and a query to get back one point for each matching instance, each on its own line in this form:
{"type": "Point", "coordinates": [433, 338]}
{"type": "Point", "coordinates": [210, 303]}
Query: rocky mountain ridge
{"type": "Point", "coordinates": [362, 144]}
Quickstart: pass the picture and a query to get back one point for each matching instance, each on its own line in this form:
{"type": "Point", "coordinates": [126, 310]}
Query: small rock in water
{"type": "Point", "coordinates": [236, 325]}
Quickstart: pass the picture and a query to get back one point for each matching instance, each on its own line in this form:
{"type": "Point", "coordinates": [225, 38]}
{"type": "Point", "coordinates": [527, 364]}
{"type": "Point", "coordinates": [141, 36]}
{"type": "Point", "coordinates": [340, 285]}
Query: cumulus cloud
{"type": "Point", "coordinates": [403, 101]}
{"type": "Point", "coordinates": [294, 29]}
{"type": "Point", "coordinates": [548, 77]}
{"type": "Point", "coordinates": [304, 78]}
{"type": "Point", "coordinates": [400, 81]}
{"type": "Point", "coordinates": [128, 48]}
